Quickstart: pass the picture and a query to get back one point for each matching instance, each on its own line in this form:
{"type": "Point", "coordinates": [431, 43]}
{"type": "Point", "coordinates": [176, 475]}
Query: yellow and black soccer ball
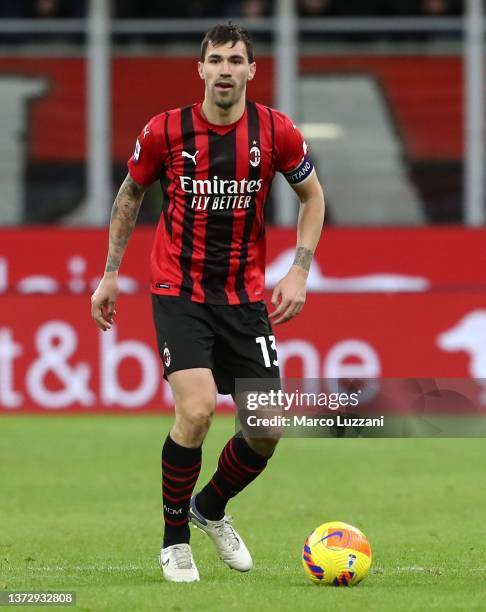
{"type": "Point", "coordinates": [336, 554]}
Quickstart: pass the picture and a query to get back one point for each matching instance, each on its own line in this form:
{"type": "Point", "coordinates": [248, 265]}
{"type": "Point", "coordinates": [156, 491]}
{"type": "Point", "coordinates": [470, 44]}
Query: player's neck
{"type": "Point", "coordinates": [221, 116]}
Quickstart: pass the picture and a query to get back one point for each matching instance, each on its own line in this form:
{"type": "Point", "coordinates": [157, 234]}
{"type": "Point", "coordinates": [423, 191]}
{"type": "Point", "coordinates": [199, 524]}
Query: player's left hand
{"type": "Point", "coordinates": [288, 297]}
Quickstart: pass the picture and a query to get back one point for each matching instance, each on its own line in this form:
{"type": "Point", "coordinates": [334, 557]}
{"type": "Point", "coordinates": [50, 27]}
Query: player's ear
{"type": "Point", "coordinates": [251, 74]}
{"type": "Point", "coordinates": [200, 69]}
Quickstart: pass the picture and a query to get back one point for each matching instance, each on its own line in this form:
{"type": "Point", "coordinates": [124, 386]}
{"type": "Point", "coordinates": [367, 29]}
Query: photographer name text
{"type": "Point", "coordinates": [337, 420]}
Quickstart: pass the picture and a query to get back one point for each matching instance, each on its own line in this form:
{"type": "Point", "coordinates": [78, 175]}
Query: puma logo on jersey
{"type": "Point", "coordinates": [193, 157]}
{"type": "Point", "coordinates": [146, 130]}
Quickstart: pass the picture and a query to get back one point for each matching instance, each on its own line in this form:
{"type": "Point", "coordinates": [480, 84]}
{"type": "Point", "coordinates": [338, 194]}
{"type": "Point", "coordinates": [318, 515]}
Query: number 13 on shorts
{"type": "Point", "coordinates": [264, 345]}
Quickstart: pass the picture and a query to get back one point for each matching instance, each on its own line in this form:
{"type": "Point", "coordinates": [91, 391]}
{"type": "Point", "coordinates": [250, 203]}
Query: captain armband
{"type": "Point", "coordinates": [300, 173]}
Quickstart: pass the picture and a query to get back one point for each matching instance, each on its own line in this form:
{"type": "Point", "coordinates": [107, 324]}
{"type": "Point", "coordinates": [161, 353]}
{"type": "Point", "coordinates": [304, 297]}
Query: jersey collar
{"type": "Point", "coordinates": [214, 127]}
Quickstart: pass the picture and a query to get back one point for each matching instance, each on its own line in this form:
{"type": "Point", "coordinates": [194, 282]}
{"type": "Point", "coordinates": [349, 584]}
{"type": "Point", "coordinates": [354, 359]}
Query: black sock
{"type": "Point", "coordinates": [180, 471]}
{"type": "Point", "coordinates": [238, 465]}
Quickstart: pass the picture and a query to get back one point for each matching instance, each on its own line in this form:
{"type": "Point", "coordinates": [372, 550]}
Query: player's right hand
{"type": "Point", "coordinates": [103, 301]}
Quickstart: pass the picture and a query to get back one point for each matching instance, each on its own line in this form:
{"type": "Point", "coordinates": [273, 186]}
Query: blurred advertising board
{"type": "Point", "coordinates": [381, 303]}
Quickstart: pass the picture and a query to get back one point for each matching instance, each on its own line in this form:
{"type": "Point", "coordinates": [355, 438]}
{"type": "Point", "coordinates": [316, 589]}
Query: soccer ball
{"type": "Point", "coordinates": [337, 554]}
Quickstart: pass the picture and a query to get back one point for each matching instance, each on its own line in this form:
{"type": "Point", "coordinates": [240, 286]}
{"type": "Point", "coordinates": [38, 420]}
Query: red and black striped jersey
{"type": "Point", "coordinates": [210, 241]}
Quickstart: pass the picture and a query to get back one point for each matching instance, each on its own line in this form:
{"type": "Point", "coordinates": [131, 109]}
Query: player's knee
{"type": "Point", "coordinates": [197, 413]}
{"type": "Point", "coordinates": [191, 426]}
{"type": "Point", "coordinates": [200, 419]}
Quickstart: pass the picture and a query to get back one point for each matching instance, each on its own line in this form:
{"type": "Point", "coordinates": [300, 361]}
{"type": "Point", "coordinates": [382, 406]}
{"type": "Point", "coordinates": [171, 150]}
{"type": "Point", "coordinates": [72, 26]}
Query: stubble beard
{"type": "Point", "coordinates": [227, 104]}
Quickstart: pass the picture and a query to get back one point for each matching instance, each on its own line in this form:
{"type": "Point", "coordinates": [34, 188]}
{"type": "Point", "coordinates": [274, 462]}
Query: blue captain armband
{"type": "Point", "coordinates": [300, 173]}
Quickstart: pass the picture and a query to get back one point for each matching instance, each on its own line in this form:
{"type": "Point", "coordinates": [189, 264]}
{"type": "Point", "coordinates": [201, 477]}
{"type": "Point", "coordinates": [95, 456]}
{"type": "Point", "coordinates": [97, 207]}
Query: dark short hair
{"type": "Point", "coordinates": [224, 33]}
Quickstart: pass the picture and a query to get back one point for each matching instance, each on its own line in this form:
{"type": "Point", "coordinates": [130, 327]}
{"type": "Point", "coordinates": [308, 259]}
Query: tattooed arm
{"type": "Point", "coordinates": [123, 219]}
{"type": "Point", "coordinates": [289, 294]}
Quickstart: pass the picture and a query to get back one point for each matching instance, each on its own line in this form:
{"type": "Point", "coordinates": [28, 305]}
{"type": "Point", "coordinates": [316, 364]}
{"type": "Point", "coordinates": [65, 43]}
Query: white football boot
{"type": "Point", "coordinates": [177, 563]}
{"type": "Point", "coordinates": [230, 546]}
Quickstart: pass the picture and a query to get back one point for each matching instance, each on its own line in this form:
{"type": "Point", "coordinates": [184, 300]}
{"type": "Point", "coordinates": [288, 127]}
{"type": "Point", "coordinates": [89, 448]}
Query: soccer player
{"type": "Point", "coordinates": [216, 161]}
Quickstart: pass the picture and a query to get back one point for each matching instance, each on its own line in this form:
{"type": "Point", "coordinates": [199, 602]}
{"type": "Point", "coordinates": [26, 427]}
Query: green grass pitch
{"type": "Point", "coordinates": [80, 510]}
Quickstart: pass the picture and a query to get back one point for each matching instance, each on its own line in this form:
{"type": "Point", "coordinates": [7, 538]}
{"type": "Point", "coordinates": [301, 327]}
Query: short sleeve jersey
{"type": "Point", "coordinates": [210, 240]}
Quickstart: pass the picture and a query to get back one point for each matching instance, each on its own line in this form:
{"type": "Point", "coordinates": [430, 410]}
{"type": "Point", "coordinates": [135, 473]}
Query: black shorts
{"type": "Point", "coordinates": [232, 341]}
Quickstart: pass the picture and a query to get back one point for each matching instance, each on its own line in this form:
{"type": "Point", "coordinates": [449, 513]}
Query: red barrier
{"type": "Point", "coordinates": [432, 323]}
{"type": "Point", "coordinates": [348, 259]}
{"type": "Point", "coordinates": [52, 357]}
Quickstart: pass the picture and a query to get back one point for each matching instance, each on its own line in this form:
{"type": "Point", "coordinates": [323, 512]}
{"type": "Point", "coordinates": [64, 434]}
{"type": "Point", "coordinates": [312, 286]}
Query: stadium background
{"type": "Point", "coordinates": [390, 96]}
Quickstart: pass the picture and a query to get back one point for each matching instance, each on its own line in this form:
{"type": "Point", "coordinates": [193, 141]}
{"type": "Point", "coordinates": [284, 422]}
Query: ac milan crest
{"type": "Point", "coordinates": [255, 156]}
{"type": "Point", "coordinates": [166, 356]}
